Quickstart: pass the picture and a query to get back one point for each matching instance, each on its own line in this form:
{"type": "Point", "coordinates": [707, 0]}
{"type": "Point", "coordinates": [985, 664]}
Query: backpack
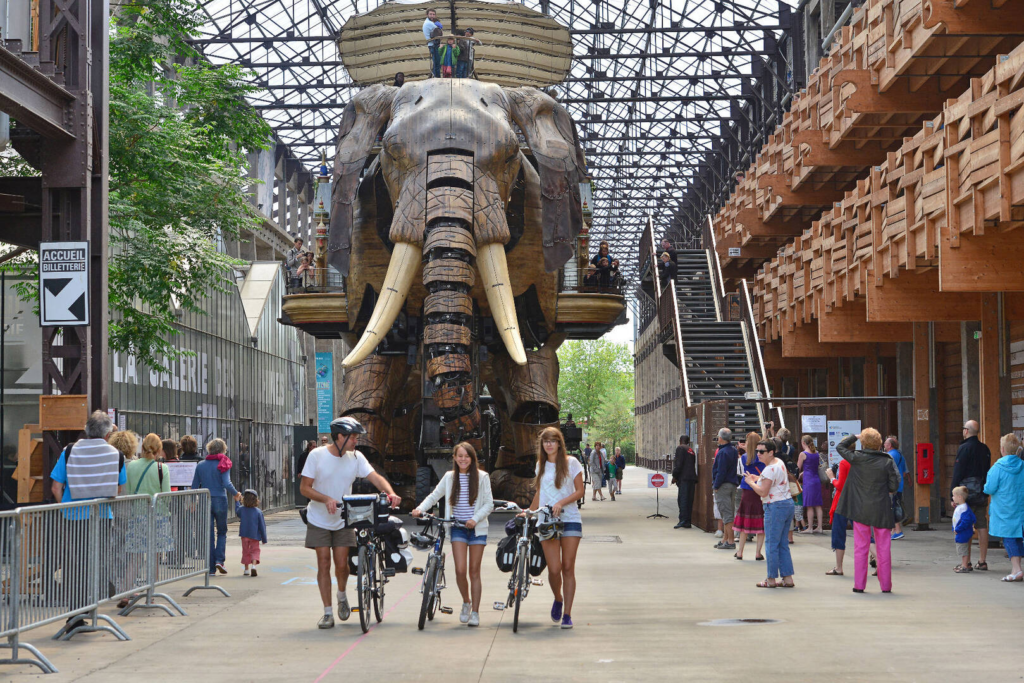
{"type": "Point", "coordinates": [974, 486]}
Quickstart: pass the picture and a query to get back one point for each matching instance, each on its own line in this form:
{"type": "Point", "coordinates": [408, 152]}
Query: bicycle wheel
{"type": "Point", "coordinates": [378, 589]}
{"type": "Point", "coordinates": [522, 576]}
{"type": "Point", "coordinates": [428, 592]}
{"type": "Point", "coordinates": [438, 583]}
{"type": "Point", "coordinates": [364, 580]}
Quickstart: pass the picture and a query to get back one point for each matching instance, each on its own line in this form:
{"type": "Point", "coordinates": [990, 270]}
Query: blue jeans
{"type": "Point", "coordinates": [435, 61]}
{"type": "Point", "coordinates": [1014, 547]}
{"type": "Point", "coordinates": [777, 518]}
{"type": "Point", "coordinates": [838, 532]}
{"type": "Point", "coordinates": [462, 70]}
{"type": "Point", "coordinates": [218, 524]}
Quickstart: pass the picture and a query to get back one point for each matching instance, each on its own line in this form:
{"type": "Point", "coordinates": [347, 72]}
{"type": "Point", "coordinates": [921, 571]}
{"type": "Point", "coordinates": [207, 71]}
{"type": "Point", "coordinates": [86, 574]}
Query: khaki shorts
{"type": "Point", "coordinates": [317, 537]}
{"type": "Point", "coordinates": [981, 513]}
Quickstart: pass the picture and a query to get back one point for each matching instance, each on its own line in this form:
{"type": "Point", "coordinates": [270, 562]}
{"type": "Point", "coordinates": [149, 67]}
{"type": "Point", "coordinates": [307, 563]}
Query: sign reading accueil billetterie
{"type": "Point", "coordinates": [63, 284]}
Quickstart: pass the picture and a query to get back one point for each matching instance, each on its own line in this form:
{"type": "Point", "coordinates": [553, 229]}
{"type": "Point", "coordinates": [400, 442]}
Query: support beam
{"type": "Point", "coordinates": [988, 374]}
{"type": "Point", "coordinates": [915, 297]}
{"type": "Point", "coordinates": [848, 323]}
{"type": "Point", "coordinates": [982, 263]}
{"type": "Point", "coordinates": [33, 99]}
{"type": "Point", "coordinates": [774, 360]}
{"type": "Point", "coordinates": [922, 424]}
{"type": "Point", "coordinates": [802, 341]}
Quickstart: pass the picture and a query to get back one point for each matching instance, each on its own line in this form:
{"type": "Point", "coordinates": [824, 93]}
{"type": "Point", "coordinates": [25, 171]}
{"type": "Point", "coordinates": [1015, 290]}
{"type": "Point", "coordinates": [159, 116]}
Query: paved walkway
{"type": "Point", "coordinates": [646, 593]}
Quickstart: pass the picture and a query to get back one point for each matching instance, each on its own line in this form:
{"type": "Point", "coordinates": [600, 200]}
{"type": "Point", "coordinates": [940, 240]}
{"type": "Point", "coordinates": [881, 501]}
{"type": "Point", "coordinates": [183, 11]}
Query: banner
{"type": "Point", "coordinates": [324, 391]}
{"type": "Point", "coordinates": [837, 431]}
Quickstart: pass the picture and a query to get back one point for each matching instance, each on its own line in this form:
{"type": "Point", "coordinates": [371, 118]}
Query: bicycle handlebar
{"type": "Point", "coordinates": [441, 520]}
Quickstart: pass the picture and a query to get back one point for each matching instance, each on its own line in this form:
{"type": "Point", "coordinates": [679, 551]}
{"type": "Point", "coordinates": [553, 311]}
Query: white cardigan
{"type": "Point", "coordinates": [484, 500]}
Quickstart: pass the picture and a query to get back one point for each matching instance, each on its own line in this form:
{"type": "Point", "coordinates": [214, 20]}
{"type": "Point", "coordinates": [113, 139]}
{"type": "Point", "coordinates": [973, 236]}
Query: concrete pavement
{"type": "Point", "coordinates": [646, 593]}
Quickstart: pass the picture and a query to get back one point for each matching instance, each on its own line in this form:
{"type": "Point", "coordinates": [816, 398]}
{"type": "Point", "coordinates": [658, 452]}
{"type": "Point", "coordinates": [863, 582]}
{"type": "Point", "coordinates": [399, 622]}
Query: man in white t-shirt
{"type": "Point", "coordinates": [326, 477]}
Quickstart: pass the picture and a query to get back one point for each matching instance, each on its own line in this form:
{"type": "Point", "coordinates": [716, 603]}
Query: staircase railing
{"type": "Point", "coordinates": [759, 378]}
{"type": "Point", "coordinates": [714, 268]}
{"type": "Point", "coordinates": [673, 302]}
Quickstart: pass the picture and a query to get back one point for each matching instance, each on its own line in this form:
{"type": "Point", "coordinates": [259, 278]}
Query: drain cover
{"type": "Point", "coordinates": [602, 539]}
{"type": "Point", "coordinates": [738, 622]}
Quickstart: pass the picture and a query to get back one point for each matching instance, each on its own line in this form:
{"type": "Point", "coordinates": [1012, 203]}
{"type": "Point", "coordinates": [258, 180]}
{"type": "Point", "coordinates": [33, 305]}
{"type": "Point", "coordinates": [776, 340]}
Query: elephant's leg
{"type": "Point", "coordinates": [447, 332]}
{"type": "Point", "coordinates": [371, 392]}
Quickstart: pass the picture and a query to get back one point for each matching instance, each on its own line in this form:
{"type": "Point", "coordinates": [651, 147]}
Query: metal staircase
{"type": "Point", "coordinates": [715, 352]}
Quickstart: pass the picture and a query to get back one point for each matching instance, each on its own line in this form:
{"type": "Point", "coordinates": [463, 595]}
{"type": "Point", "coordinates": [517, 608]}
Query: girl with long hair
{"type": "Point", "coordinates": [467, 492]}
{"type": "Point", "coordinates": [750, 514]}
{"type": "Point", "coordinates": [560, 484]}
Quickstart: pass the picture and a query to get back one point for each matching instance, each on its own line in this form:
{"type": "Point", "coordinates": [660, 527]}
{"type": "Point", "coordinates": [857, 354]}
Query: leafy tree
{"type": "Point", "coordinates": [591, 373]}
{"type": "Point", "coordinates": [179, 132]}
{"type": "Point", "coordinates": [614, 421]}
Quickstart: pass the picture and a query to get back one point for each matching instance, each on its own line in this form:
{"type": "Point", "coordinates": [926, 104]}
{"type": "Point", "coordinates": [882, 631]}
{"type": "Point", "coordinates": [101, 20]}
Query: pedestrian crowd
{"type": "Point", "coordinates": [603, 271]}
{"type": "Point", "coordinates": [763, 488]}
{"type": "Point", "coordinates": [451, 56]}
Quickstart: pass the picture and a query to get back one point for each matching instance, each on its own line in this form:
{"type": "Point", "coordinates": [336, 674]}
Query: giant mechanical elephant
{"type": "Point", "coordinates": [453, 195]}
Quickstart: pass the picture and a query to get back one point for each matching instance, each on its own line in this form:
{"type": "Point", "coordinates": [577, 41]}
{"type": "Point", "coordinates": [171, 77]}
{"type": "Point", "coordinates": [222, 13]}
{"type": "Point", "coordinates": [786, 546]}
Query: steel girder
{"type": "Point", "coordinates": [688, 87]}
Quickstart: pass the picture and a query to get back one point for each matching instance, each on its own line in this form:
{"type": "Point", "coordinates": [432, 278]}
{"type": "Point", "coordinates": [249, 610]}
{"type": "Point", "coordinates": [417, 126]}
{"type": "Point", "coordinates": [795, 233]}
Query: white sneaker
{"type": "Point", "coordinates": [344, 611]}
{"type": "Point", "coordinates": [718, 534]}
{"type": "Point", "coordinates": [464, 614]}
{"type": "Point", "coordinates": [246, 572]}
{"type": "Point", "coordinates": [474, 619]}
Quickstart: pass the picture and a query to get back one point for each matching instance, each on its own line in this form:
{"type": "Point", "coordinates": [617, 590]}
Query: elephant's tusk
{"type": "Point", "coordinates": [403, 266]}
{"type": "Point", "coordinates": [493, 266]}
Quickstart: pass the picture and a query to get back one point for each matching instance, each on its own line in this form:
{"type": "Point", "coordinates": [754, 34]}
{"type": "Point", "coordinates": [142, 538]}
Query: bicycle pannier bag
{"type": "Point", "coordinates": [538, 563]}
{"type": "Point", "coordinates": [506, 554]}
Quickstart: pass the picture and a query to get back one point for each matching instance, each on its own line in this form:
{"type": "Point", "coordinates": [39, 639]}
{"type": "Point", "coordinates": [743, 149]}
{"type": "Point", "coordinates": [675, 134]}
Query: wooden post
{"type": "Point", "coordinates": [922, 423]}
{"type": "Point", "coordinates": [988, 374]}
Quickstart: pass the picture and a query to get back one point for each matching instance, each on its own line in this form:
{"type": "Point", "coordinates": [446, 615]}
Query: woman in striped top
{"type": "Point", "coordinates": [467, 491]}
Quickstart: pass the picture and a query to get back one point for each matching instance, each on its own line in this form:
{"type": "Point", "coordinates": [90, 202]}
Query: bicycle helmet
{"type": "Point", "coordinates": [547, 530]}
{"type": "Point", "coordinates": [346, 426]}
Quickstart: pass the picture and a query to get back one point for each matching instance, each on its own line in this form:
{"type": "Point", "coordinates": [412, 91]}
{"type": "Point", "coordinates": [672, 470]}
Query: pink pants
{"type": "Point", "coordinates": [250, 551]}
{"type": "Point", "coordinates": [861, 546]}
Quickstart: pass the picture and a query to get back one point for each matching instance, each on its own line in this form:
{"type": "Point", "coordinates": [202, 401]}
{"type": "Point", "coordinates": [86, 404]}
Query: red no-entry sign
{"type": "Point", "coordinates": [657, 481]}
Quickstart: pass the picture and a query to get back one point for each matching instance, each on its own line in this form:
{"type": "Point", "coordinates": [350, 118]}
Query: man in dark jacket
{"type": "Point", "coordinates": [724, 482]}
{"type": "Point", "coordinates": [970, 469]}
{"type": "Point", "coordinates": [684, 475]}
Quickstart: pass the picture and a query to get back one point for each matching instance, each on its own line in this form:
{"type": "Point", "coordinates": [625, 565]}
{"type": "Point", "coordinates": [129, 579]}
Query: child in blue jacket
{"type": "Point", "coordinates": [252, 528]}
{"type": "Point", "coordinates": [963, 529]}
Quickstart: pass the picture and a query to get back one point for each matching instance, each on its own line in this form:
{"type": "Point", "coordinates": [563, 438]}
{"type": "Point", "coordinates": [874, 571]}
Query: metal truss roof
{"type": "Point", "coordinates": [672, 97]}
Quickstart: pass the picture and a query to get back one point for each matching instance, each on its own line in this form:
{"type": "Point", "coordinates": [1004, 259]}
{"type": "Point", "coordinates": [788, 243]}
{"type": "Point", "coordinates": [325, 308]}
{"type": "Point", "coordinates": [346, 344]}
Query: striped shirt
{"type": "Point", "coordinates": [463, 511]}
{"type": "Point", "coordinates": [92, 469]}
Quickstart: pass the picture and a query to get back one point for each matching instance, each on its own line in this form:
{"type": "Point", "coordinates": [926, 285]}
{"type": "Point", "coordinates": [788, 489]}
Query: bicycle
{"type": "Point", "coordinates": [371, 572]}
{"type": "Point", "coordinates": [520, 581]}
{"type": "Point", "coordinates": [433, 574]}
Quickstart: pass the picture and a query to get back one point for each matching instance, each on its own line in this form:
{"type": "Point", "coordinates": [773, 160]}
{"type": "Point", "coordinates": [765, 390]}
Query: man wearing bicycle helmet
{"type": "Point", "coordinates": [326, 477]}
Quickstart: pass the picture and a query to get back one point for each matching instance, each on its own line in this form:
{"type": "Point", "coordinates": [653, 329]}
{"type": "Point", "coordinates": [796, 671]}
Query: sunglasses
{"type": "Point", "coordinates": [760, 450]}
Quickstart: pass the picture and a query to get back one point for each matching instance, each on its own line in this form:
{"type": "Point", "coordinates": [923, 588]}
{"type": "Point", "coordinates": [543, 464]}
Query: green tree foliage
{"type": "Point", "coordinates": [595, 384]}
{"type": "Point", "coordinates": [179, 132]}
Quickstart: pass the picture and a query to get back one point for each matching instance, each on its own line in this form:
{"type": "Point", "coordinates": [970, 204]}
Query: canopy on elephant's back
{"type": "Point", "coordinates": [519, 46]}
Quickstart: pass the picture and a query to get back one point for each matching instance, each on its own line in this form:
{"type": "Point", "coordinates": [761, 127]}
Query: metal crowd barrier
{"type": "Point", "coordinates": [66, 560]}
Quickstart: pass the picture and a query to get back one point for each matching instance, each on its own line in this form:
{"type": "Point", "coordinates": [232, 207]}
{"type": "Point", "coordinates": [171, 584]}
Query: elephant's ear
{"type": "Point", "coordinates": [364, 116]}
{"type": "Point", "coordinates": [552, 136]}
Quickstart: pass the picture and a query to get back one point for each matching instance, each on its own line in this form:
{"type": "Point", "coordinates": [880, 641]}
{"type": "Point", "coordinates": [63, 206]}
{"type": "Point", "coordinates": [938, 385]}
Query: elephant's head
{"type": "Point", "coordinates": [449, 161]}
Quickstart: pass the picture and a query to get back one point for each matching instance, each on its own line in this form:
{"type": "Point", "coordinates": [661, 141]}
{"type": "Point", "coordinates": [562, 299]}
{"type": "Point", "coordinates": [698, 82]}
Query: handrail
{"type": "Point", "coordinates": [758, 372]}
{"type": "Point", "coordinates": [648, 236]}
{"type": "Point", "coordinates": [679, 347]}
{"type": "Point", "coordinates": [714, 267]}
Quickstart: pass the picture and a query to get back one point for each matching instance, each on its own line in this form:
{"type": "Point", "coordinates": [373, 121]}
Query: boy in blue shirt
{"type": "Point", "coordinates": [963, 529]}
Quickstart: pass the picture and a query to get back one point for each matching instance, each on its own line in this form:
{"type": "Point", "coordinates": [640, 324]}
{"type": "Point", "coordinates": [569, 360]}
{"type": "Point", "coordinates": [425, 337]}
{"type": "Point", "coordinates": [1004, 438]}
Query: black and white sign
{"type": "Point", "coordinates": [734, 251]}
{"type": "Point", "coordinates": [63, 284]}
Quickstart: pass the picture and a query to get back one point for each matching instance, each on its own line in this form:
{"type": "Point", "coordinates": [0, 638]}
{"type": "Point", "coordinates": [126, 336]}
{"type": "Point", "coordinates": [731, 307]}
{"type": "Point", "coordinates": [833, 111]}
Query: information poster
{"type": "Point", "coordinates": [324, 390]}
{"type": "Point", "coordinates": [837, 431]}
{"type": "Point", "coordinates": [182, 472]}
{"type": "Point", "coordinates": [814, 424]}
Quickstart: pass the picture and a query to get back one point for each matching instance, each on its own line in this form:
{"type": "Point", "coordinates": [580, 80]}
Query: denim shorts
{"type": "Point", "coordinates": [1014, 547]}
{"type": "Point", "coordinates": [572, 529]}
{"type": "Point", "coordinates": [467, 536]}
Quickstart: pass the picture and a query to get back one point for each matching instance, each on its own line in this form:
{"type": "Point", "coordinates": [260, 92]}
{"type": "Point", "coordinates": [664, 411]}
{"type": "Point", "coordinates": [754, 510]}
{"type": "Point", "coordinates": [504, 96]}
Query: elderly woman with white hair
{"type": "Point", "coordinates": [1005, 484]}
{"type": "Point", "coordinates": [867, 502]}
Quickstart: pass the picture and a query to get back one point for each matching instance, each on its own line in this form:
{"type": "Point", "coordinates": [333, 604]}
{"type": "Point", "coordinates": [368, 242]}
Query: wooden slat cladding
{"type": "Point", "coordinates": [454, 396]}
{"type": "Point", "coordinates": [450, 202]}
{"type": "Point", "coordinates": [446, 334]}
{"type": "Point", "coordinates": [448, 270]}
{"type": "Point", "coordinates": [448, 302]}
{"type": "Point", "coordinates": [450, 238]}
{"type": "Point", "coordinates": [445, 166]}
{"type": "Point", "coordinates": [450, 362]}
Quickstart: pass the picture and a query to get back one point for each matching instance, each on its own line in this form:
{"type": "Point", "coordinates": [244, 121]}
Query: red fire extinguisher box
{"type": "Point", "coordinates": [925, 463]}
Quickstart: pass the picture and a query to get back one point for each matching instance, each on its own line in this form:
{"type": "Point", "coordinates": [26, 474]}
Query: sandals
{"type": "Point", "coordinates": [759, 558]}
{"type": "Point", "coordinates": [981, 566]}
{"type": "Point", "coordinates": [833, 572]}
{"type": "Point", "coordinates": [765, 584]}
{"type": "Point", "coordinates": [787, 585]}
{"type": "Point", "coordinates": [1011, 578]}
{"type": "Point", "coordinates": [737, 556]}
{"type": "Point", "coordinates": [960, 569]}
